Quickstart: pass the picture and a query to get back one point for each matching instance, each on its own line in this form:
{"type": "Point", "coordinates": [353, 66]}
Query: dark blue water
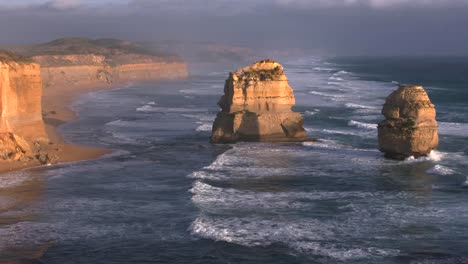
{"type": "Point", "coordinates": [168, 196]}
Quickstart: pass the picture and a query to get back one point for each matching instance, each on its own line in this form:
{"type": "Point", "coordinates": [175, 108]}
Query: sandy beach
{"type": "Point", "coordinates": [56, 110]}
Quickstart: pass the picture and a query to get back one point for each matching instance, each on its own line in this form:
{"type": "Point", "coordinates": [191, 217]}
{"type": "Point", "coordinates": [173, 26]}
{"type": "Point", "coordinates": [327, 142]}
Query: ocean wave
{"type": "Point", "coordinates": [341, 252]}
{"type": "Point", "coordinates": [333, 78]}
{"type": "Point", "coordinates": [209, 196]}
{"type": "Point", "coordinates": [323, 69]}
{"type": "Point", "coordinates": [359, 106]}
{"type": "Point", "coordinates": [204, 127]}
{"type": "Point", "coordinates": [311, 113]}
{"type": "Point", "coordinates": [155, 109]}
{"type": "Point", "coordinates": [341, 73]}
{"type": "Point", "coordinates": [433, 156]}
{"type": "Point", "coordinates": [326, 144]}
{"type": "Point", "coordinates": [340, 132]}
{"type": "Point", "coordinates": [440, 170]}
{"type": "Point", "coordinates": [362, 125]}
{"type": "Point", "coordinates": [14, 179]}
{"type": "Point", "coordinates": [299, 236]}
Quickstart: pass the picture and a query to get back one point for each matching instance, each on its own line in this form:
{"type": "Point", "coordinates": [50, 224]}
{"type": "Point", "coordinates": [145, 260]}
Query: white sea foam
{"type": "Point", "coordinates": [440, 170]}
{"type": "Point", "coordinates": [207, 195]}
{"type": "Point", "coordinates": [465, 184]}
{"type": "Point", "coordinates": [433, 156]}
{"type": "Point", "coordinates": [155, 109]}
{"type": "Point", "coordinates": [359, 106]}
{"type": "Point", "coordinates": [323, 69]}
{"type": "Point", "coordinates": [204, 127]}
{"type": "Point", "coordinates": [340, 132]}
{"type": "Point", "coordinates": [333, 78]}
{"type": "Point", "coordinates": [311, 113]}
{"type": "Point", "coordinates": [324, 94]}
{"type": "Point", "coordinates": [299, 236]}
{"type": "Point", "coordinates": [11, 180]}
{"type": "Point", "coordinates": [326, 144]}
{"type": "Point", "coordinates": [362, 125]}
{"type": "Point", "coordinates": [341, 252]}
{"type": "Point", "coordinates": [341, 73]}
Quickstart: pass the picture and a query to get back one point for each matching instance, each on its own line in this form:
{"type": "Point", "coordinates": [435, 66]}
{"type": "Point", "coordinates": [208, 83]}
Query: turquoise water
{"type": "Point", "coordinates": [168, 196]}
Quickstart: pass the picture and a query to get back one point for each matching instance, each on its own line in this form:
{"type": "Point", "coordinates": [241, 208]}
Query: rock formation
{"type": "Point", "coordinates": [87, 62]}
{"type": "Point", "coordinates": [410, 128]}
{"type": "Point", "coordinates": [256, 106]}
{"type": "Point", "coordinates": [22, 131]}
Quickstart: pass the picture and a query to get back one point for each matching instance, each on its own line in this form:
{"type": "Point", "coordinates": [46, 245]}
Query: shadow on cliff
{"type": "Point", "coordinates": [249, 128]}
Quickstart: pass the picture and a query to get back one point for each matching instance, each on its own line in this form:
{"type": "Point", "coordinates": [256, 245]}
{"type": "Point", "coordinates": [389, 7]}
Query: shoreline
{"type": "Point", "coordinates": [56, 108]}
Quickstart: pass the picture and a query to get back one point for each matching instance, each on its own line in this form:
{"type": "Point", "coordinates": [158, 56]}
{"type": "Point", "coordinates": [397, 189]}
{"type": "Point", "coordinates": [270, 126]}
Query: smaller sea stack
{"type": "Point", "coordinates": [410, 128]}
{"type": "Point", "coordinates": [256, 106]}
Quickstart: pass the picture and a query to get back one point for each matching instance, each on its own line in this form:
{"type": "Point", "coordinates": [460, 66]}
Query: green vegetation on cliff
{"type": "Point", "coordinates": [7, 56]}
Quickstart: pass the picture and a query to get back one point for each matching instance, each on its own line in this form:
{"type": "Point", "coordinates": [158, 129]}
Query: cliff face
{"type": "Point", "coordinates": [256, 106]}
{"type": "Point", "coordinates": [99, 70]}
{"type": "Point", "coordinates": [22, 131]}
{"type": "Point", "coordinates": [410, 128]}
{"type": "Point", "coordinates": [20, 99]}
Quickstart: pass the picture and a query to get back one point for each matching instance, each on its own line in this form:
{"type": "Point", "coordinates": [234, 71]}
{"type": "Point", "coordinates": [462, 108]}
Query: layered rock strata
{"type": "Point", "coordinates": [98, 70]}
{"type": "Point", "coordinates": [22, 131]}
{"type": "Point", "coordinates": [256, 106]}
{"type": "Point", "coordinates": [410, 128]}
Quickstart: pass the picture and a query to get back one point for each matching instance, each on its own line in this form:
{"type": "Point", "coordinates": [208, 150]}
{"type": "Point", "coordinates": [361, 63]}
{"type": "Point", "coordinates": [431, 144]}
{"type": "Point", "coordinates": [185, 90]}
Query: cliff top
{"type": "Point", "coordinates": [7, 56]}
{"type": "Point", "coordinates": [103, 47]}
{"type": "Point", "coordinates": [261, 70]}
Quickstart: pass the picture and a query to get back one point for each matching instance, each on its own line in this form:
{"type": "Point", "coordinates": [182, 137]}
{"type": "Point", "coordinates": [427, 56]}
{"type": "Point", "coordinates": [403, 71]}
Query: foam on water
{"type": "Point", "coordinates": [204, 127]}
{"type": "Point", "coordinates": [362, 125]}
{"type": "Point", "coordinates": [433, 156]}
{"type": "Point", "coordinates": [230, 198]}
{"type": "Point", "coordinates": [359, 106]}
{"type": "Point", "coordinates": [299, 236]}
{"type": "Point", "coordinates": [11, 180]}
{"type": "Point", "coordinates": [155, 109]}
{"type": "Point", "coordinates": [440, 170]}
{"type": "Point", "coordinates": [326, 144]}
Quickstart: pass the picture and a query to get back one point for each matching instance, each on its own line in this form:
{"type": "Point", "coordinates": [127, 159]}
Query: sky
{"type": "Point", "coordinates": [345, 27]}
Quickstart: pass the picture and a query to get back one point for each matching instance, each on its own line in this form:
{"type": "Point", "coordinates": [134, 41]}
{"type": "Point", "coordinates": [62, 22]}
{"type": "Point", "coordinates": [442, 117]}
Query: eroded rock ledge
{"type": "Point", "coordinates": [410, 128]}
{"type": "Point", "coordinates": [256, 106]}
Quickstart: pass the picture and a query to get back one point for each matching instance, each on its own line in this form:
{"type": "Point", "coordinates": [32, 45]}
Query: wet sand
{"type": "Point", "coordinates": [56, 110]}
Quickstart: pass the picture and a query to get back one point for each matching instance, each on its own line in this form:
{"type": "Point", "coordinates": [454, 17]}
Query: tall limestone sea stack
{"type": "Point", "coordinates": [256, 106]}
{"type": "Point", "coordinates": [410, 128]}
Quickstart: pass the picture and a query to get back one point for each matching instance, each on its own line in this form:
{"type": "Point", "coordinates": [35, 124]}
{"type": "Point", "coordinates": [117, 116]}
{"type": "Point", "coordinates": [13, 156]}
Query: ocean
{"type": "Point", "coordinates": [168, 196]}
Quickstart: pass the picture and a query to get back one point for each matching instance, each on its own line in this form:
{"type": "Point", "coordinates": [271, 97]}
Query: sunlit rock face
{"type": "Point", "coordinates": [97, 70]}
{"type": "Point", "coordinates": [20, 98]}
{"type": "Point", "coordinates": [410, 128]}
{"type": "Point", "coordinates": [22, 131]}
{"type": "Point", "coordinates": [256, 106]}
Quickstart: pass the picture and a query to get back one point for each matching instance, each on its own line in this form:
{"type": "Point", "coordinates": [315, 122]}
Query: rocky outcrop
{"type": "Point", "coordinates": [256, 106]}
{"type": "Point", "coordinates": [410, 128]}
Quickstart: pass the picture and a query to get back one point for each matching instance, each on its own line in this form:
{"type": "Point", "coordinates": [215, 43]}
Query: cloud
{"type": "Point", "coordinates": [61, 5]}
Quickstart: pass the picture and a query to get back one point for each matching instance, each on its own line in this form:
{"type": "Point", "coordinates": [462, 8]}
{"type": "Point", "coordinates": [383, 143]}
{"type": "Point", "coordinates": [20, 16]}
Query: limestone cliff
{"type": "Point", "coordinates": [22, 132]}
{"type": "Point", "coordinates": [256, 106]}
{"type": "Point", "coordinates": [97, 70]}
{"type": "Point", "coordinates": [100, 62]}
{"type": "Point", "coordinates": [410, 128]}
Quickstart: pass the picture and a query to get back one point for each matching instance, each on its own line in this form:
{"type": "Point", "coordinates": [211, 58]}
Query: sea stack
{"type": "Point", "coordinates": [410, 128]}
{"type": "Point", "coordinates": [256, 106]}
